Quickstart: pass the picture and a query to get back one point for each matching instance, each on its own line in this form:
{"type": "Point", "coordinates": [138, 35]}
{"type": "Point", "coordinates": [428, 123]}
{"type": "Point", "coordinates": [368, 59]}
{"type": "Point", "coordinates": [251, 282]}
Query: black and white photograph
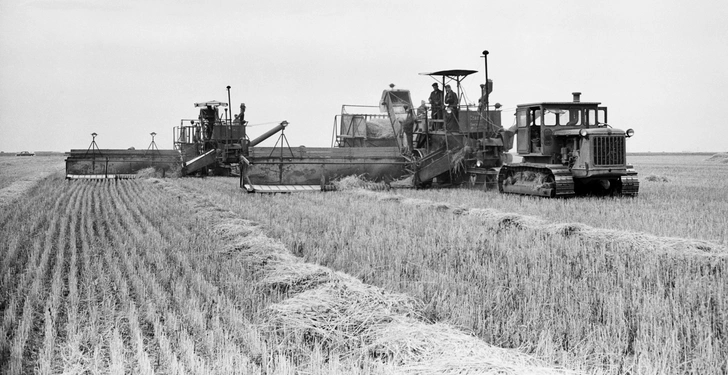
{"type": "Point", "coordinates": [363, 187]}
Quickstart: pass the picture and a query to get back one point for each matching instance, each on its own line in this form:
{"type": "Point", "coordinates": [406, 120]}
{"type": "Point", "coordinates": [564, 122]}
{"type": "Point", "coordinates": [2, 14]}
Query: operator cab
{"type": "Point", "coordinates": [537, 122]}
{"type": "Point", "coordinates": [212, 131]}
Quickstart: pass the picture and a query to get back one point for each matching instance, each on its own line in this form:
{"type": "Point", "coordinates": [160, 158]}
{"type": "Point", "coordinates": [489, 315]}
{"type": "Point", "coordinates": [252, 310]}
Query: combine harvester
{"type": "Point", "coordinates": [208, 145]}
{"type": "Point", "coordinates": [451, 146]}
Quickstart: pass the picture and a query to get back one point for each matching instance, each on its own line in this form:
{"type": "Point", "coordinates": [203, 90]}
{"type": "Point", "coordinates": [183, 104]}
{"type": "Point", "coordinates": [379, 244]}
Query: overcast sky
{"type": "Point", "coordinates": [124, 69]}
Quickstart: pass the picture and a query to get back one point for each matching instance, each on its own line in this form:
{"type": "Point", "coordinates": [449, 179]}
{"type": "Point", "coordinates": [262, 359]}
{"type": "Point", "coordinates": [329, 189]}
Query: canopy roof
{"type": "Point", "coordinates": [211, 103]}
{"type": "Point", "coordinates": [451, 73]}
{"type": "Point", "coordinates": [561, 104]}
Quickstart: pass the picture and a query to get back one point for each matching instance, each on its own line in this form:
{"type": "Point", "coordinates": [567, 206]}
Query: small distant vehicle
{"type": "Point", "coordinates": [25, 153]}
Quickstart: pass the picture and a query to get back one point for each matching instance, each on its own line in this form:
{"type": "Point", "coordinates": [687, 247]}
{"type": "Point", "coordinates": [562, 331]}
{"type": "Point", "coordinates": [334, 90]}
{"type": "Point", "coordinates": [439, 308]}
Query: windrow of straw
{"type": "Point", "coordinates": [15, 191]}
{"type": "Point", "coordinates": [364, 323]}
{"type": "Point", "coordinates": [358, 182]}
{"type": "Point", "coordinates": [349, 322]}
{"type": "Point", "coordinates": [721, 157]}
{"type": "Point", "coordinates": [21, 185]}
{"type": "Point", "coordinates": [422, 348]}
{"type": "Point", "coordinates": [150, 172]}
{"type": "Point", "coordinates": [656, 178]}
{"type": "Point", "coordinates": [499, 220]}
{"type": "Point", "coordinates": [337, 315]}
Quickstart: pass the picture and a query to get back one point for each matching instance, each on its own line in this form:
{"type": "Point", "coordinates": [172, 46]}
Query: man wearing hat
{"type": "Point", "coordinates": [408, 128]}
{"type": "Point", "coordinates": [451, 101]}
{"type": "Point", "coordinates": [436, 98]}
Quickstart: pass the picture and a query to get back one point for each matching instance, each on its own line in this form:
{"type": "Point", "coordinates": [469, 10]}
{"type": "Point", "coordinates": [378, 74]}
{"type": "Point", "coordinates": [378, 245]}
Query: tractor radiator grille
{"type": "Point", "coordinates": [609, 150]}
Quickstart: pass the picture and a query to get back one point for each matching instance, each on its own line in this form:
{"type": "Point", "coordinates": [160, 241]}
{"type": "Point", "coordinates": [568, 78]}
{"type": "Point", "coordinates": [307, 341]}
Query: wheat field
{"type": "Point", "coordinates": [195, 276]}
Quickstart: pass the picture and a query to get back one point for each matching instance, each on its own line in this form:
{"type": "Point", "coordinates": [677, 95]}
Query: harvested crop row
{"type": "Point", "coordinates": [350, 321]}
{"type": "Point", "coordinates": [494, 219]}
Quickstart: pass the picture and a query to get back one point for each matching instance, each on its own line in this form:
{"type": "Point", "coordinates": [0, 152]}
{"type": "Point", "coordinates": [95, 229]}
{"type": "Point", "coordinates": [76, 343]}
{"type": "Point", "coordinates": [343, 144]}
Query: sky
{"type": "Point", "coordinates": [124, 69]}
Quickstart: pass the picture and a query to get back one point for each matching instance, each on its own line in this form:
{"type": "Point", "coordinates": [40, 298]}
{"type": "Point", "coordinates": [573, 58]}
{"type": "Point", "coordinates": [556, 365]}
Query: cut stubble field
{"type": "Point", "coordinates": [19, 173]}
{"type": "Point", "coordinates": [195, 276]}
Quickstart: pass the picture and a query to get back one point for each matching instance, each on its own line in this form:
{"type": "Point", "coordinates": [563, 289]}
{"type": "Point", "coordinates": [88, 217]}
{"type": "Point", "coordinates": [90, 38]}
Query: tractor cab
{"type": "Point", "coordinates": [545, 130]}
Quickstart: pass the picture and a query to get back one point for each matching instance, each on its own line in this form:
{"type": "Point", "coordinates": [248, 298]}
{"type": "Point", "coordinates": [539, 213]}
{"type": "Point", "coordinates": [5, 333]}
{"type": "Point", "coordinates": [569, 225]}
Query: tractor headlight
{"type": "Point", "coordinates": [583, 132]}
{"type": "Point", "coordinates": [629, 133]}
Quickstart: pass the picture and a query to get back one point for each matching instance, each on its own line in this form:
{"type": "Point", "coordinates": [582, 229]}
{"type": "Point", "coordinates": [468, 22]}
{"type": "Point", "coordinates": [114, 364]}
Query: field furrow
{"type": "Point", "coordinates": [27, 333]}
{"type": "Point", "coordinates": [151, 299]}
{"type": "Point", "coordinates": [17, 243]}
{"type": "Point", "coordinates": [150, 209]}
{"type": "Point", "coordinates": [192, 293]}
{"type": "Point", "coordinates": [55, 328]}
{"type": "Point", "coordinates": [98, 309]}
{"type": "Point", "coordinates": [139, 293]}
{"type": "Point", "coordinates": [79, 285]}
{"type": "Point", "coordinates": [73, 299]}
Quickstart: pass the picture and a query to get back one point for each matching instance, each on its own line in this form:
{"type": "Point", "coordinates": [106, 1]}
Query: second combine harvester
{"type": "Point", "coordinates": [451, 146]}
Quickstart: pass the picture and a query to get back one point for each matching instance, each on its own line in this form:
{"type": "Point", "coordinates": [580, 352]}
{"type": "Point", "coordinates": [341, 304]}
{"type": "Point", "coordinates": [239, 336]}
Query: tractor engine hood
{"type": "Point", "coordinates": [589, 131]}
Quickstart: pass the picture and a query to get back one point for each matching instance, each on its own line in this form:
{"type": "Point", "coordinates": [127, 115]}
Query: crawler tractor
{"type": "Point", "coordinates": [568, 148]}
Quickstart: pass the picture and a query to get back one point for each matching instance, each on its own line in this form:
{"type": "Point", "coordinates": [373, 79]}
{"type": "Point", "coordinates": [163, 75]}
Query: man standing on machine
{"type": "Point", "coordinates": [436, 102]}
{"type": "Point", "coordinates": [453, 112]}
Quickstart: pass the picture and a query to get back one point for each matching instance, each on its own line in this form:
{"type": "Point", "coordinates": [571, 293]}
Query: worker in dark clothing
{"type": "Point", "coordinates": [453, 112]}
{"type": "Point", "coordinates": [408, 127]}
{"type": "Point", "coordinates": [208, 116]}
{"type": "Point", "coordinates": [436, 97]}
{"type": "Point", "coordinates": [483, 99]}
{"type": "Point", "coordinates": [244, 174]}
{"type": "Point", "coordinates": [240, 118]}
